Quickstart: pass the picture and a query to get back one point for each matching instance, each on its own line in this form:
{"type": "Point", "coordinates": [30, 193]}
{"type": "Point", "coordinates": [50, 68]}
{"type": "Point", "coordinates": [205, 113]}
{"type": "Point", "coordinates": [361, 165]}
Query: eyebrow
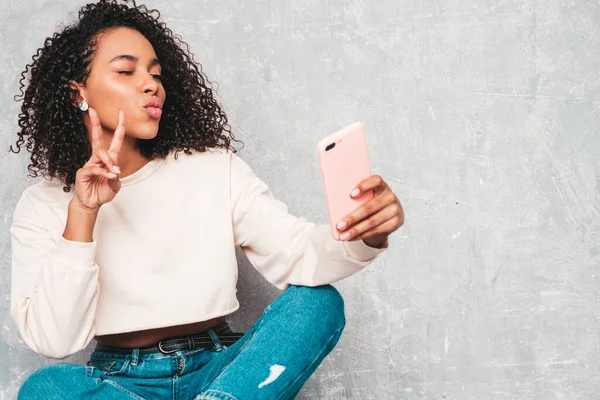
{"type": "Point", "coordinates": [128, 57]}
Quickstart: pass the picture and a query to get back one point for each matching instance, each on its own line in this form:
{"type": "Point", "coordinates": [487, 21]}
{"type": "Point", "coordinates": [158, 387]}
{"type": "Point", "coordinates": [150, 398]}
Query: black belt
{"type": "Point", "coordinates": [188, 342]}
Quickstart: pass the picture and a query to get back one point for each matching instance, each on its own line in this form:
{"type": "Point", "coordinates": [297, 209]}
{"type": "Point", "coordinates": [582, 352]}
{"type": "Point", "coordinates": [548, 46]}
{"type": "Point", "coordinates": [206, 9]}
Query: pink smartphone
{"type": "Point", "coordinates": [344, 160]}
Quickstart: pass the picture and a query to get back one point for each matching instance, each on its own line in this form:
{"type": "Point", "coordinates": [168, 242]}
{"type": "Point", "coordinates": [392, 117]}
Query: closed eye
{"type": "Point", "coordinates": [155, 76]}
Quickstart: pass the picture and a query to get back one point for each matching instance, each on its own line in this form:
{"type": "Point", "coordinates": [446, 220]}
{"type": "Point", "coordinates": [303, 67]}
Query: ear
{"type": "Point", "coordinates": [80, 95]}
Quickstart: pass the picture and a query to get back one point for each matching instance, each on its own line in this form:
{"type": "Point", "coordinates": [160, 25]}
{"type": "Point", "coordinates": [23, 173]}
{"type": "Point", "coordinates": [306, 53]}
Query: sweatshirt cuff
{"type": "Point", "coordinates": [360, 251]}
{"type": "Point", "coordinates": [79, 255]}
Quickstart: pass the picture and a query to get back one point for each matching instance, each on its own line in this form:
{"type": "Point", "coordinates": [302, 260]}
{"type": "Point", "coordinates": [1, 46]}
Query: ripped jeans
{"type": "Point", "coordinates": [271, 361]}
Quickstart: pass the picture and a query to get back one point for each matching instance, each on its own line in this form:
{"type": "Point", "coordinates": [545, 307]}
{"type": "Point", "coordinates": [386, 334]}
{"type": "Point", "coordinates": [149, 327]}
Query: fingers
{"type": "Point", "coordinates": [374, 182]}
{"type": "Point", "coordinates": [95, 170]}
{"type": "Point", "coordinates": [383, 197]}
{"type": "Point", "coordinates": [366, 210]}
{"type": "Point", "coordinates": [102, 158]}
{"type": "Point", "coordinates": [108, 161]}
{"type": "Point", "coordinates": [373, 225]}
{"type": "Point", "coordinates": [389, 226]}
{"type": "Point", "coordinates": [99, 154]}
{"type": "Point", "coordinates": [118, 136]}
{"type": "Point", "coordinates": [97, 141]}
{"type": "Point", "coordinates": [381, 215]}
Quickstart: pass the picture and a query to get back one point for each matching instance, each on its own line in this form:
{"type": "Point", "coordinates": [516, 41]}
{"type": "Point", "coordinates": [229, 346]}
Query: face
{"type": "Point", "coordinates": [125, 73]}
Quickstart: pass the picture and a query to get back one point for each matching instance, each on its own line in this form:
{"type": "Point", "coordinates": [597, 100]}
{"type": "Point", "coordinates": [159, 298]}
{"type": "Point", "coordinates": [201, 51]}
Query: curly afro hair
{"type": "Point", "coordinates": [52, 129]}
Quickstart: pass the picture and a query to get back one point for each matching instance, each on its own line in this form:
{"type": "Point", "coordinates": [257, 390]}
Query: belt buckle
{"type": "Point", "coordinates": [165, 351]}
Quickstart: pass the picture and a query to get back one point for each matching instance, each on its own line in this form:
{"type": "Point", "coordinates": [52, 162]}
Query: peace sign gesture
{"type": "Point", "coordinates": [97, 181]}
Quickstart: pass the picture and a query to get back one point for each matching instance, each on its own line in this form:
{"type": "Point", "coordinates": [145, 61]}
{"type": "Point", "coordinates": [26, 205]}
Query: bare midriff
{"type": "Point", "coordinates": [152, 336]}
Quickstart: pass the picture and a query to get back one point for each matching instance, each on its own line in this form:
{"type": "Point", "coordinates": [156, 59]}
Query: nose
{"type": "Point", "coordinates": [149, 85]}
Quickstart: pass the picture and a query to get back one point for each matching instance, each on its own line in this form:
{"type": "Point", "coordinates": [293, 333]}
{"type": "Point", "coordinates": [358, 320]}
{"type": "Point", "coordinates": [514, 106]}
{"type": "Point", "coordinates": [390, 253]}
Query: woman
{"type": "Point", "coordinates": [132, 243]}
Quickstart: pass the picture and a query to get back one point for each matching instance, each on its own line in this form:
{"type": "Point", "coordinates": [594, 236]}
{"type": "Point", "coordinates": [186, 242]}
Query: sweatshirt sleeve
{"type": "Point", "coordinates": [285, 249]}
{"type": "Point", "coordinates": [54, 288]}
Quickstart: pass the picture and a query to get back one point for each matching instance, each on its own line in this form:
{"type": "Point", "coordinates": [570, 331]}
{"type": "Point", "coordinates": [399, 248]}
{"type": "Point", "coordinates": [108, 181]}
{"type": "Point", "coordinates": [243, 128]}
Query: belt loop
{"type": "Point", "coordinates": [215, 339]}
{"type": "Point", "coordinates": [135, 356]}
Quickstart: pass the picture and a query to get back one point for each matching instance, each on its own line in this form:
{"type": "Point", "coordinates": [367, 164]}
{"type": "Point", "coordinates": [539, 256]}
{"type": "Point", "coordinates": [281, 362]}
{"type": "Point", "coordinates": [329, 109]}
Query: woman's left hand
{"type": "Point", "coordinates": [376, 219]}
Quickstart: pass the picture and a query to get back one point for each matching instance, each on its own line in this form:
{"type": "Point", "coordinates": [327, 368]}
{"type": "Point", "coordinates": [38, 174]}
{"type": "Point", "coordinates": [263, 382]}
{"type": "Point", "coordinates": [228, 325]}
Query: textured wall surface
{"type": "Point", "coordinates": [482, 115]}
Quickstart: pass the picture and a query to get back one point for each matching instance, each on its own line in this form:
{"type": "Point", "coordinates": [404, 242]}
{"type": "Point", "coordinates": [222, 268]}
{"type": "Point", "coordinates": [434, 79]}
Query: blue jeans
{"type": "Point", "coordinates": [271, 361]}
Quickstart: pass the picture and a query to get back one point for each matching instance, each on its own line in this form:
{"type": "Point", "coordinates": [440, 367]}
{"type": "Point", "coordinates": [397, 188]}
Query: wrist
{"type": "Point", "coordinates": [76, 207]}
{"type": "Point", "coordinates": [80, 223]}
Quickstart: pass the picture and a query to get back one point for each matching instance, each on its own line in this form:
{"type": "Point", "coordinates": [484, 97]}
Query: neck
{"type": "Point", "coordinates": [130, 158]}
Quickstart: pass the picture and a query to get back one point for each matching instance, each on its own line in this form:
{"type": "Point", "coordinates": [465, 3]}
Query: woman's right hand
{"type": "Point", "coordinates": [97, 182]}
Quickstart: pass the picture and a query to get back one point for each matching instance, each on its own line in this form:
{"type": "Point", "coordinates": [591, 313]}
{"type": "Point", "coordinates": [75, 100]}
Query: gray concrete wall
{"type": "Point", "coordinates": [482, 115]}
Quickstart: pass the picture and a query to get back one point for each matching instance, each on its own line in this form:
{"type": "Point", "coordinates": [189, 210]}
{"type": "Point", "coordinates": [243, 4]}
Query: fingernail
{"type": "Point", "coordinates": [355, 193]}
{"type": "Point", "coordinates": [344, 236]}
{"type": "Point", "coordinates": [341, 225]}
{"type": "Point", "coordinates": [117, 169]}
{"type": "Point", "coordinates": [111, 175]}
